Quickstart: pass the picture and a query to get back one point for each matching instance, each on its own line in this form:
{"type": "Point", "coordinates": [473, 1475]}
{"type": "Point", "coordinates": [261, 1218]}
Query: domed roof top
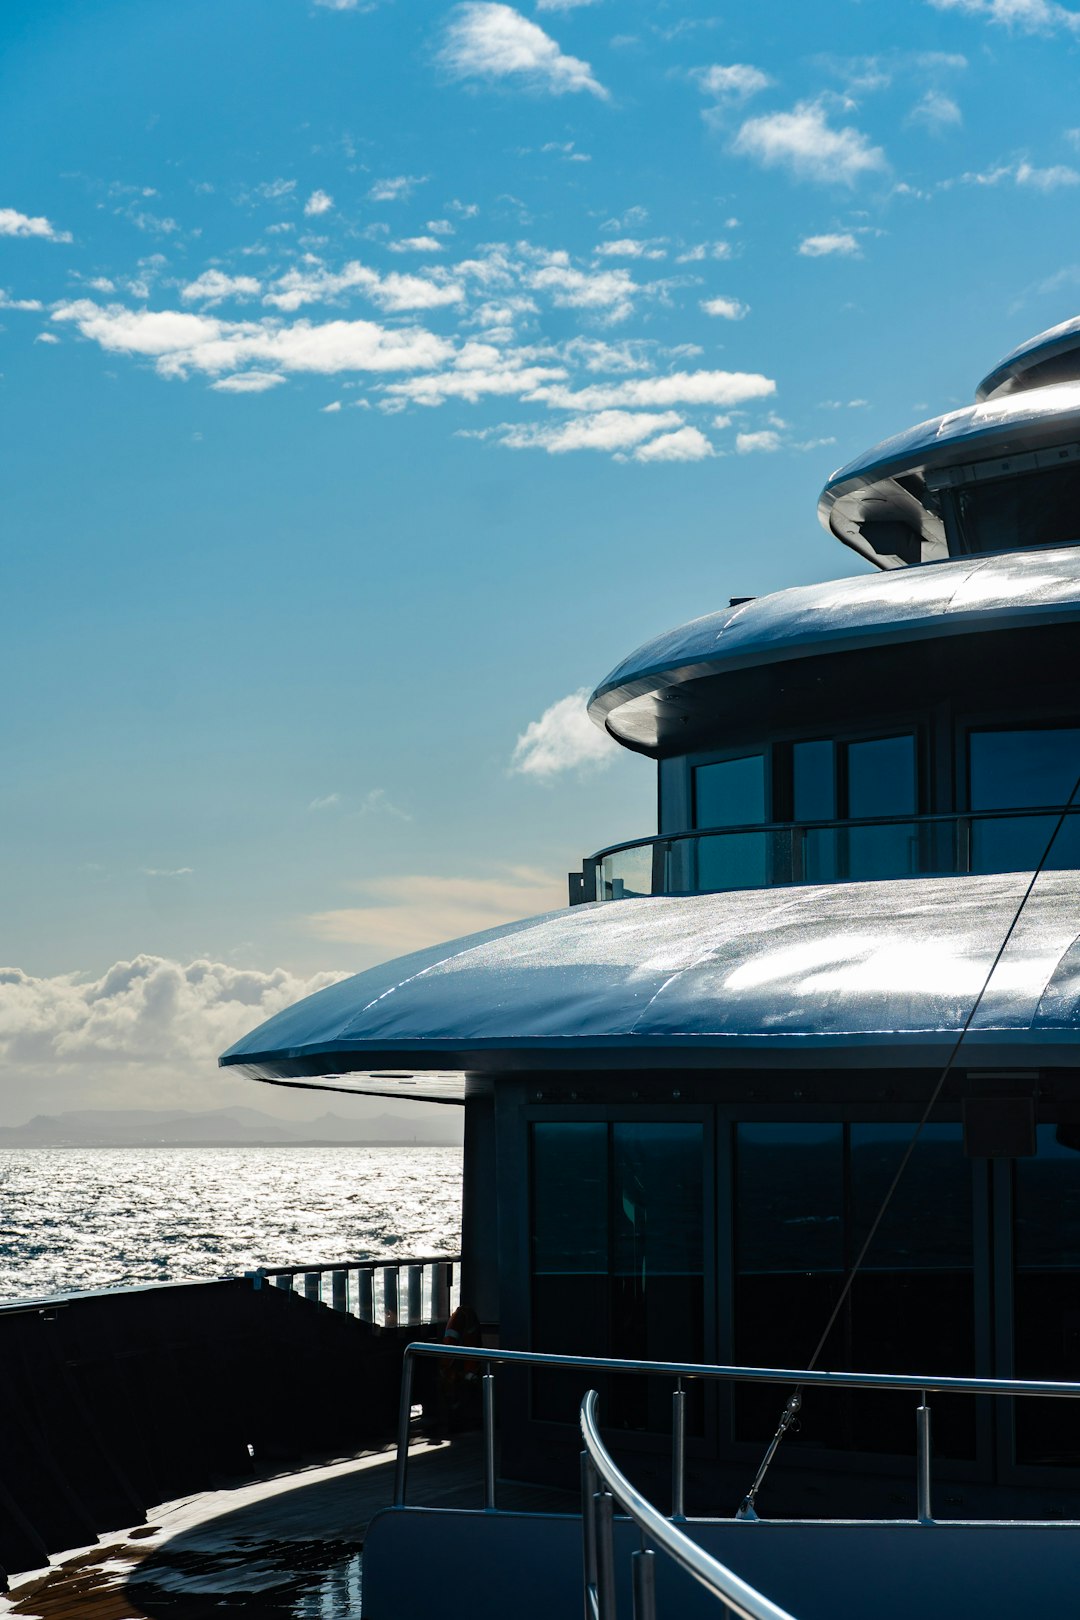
{"type": "Point", "coordinates": [1050, 357]}
{"type": "Point", "coordinates": [838, 974]}
{"type": "Point", "coordinates": [994, 592]}
{"type": "Point", "coordinates": [878, 501]}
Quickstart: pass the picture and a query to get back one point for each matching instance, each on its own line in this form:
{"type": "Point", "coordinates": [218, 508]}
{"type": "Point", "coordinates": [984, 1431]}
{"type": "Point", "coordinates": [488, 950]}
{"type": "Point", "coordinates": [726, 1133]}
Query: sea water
{"type": "Point", "coordinates": [76, 1218]}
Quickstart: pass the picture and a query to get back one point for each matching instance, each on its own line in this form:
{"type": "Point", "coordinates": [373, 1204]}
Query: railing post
{"type": "Point", "coordinates": [390, 1296]}
{"type": "Point", "coordinates": [488, 1391]}
{"type": "Point", "coordinates": [922, 1431]}
{"type": "Point", "coordinates": [678, 1451]}
{"type": "Point", "coordinates": [339, 1295]}
{"type": "Point", "coordinates": [404, 1419]}
{"type": "Point", "coordinates": [588, 1533]}
{"type": "Point", "coordinates": [605, 1555]}
{"type": "Point", "coordinates": [365, 1294]}
{"type": "Point", "coordinates": [414, 1295]}
{"type": "Point", "coordinates": [311, 1286]}
{"type": "Point", "coordinates": [644, 1567]}
{"type": "Point", "coordinates": [440, 1292]}
{"type": "Point", "coordinates": [285, 1283]}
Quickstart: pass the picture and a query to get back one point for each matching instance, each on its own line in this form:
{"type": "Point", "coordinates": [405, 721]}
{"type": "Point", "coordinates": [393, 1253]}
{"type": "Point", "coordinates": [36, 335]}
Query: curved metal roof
{"type": "Point", "coordinates": [1051, 356]}
{"type": "Point", "coordinates": [874, 974]}
{"type": "Point", "coordinates": [1000, 591]}
{"type": "Point", "coordinates": [885, 484]}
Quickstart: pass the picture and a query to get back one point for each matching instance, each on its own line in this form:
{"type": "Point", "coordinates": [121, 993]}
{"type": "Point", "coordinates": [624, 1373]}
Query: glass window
{"type": "Point", "coordinates": [1015, 769]}
{"type": "Point", "coordinates": [881, 777]}
{"type": "Point", "coordinates": [806, 1197]}
{"type": "Point", "coordinates": [1011, 770]}
{"type": "Point", "coordinates": [730, 793]}
{"type": "Point", "coordinates": [618, 1269]}
{"type": "Point", "coordinates": [813, 775]}
{"type": "Point", "coordinates": [1047, 1292]}
{"type": "Point", "coordinates": [1041, 509]}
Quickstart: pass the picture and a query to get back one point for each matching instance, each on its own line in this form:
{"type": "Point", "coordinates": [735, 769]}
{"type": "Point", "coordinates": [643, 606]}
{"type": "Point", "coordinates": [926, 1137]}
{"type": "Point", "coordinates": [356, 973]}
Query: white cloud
{"type": "Point", "coordinates": [562, 5]}
{"type": "Point", "coordinates": [1051, 179]}
{"type": "Point", "coordinates": [248, 382]}
{"type": "Point", "coordinates": [840, 243]}
{"type": "Point", "coordinates": [687, 444]}
{"type": "Point", "coordinates": [12, 223]}
{"type": "Point", "coordinates": [609, 431]}
{"type": "Point", "coordinates": [275, 190]}
{"type": "Point", "coordinates": [610, 291]}
{"type": "Point", "coordinates": [726, 309]}
{"type": "Point", "coordinates": [675, 388]}
{"type": "Point", "coordinates": [320, 202]}
{"type": "Point", "coordinates": [312, 283]}
{"type": "Point", "coordinates": [395, 188]}
{"type": "Point", "coordinates": [377, 803]}
{"type": "Point", "coordinates": [803, 142]}
{"type": "Point", "coordinates": [417, 244]}
{"type": "Point", "coordinates": [767, 440]}
{"type": "Point", "coordinates": [704, 250]}
{"type": "Point", "coordinates": [214, 286]}
{"type": "Point", "coordinates": [46, 337]}
{"type": "Point", "coordinates": [732, 83]}
{"type": "Point", "coordinates": [936, 112]}
{"type": "Point", "coordinates": [147, 1009]}
{"type": "Point", "coordinates": [334, 405]}
{"type": "Point", "coordinates": [563, 739]}
{"type": "Point", "coordinates": [413, 911]}
{"type": "Point", "coordinates": [1028, 16]}
{"type": "Point", "coordinates": [346, 5]}
{"type": "Point", "coordinates": [180, 343]}
{"type": "Point", "coordinates": [7, 302]}
{"type": "Point", "coordinates": [501, 378]}
{"type": "Point", "coordinates": [329, 801]}
{"type": "Point", "coordinates": [485, 40]}
{"type": "Point", "coordinates": [628, 247]}
{"type": "Point", "coordinates": [1021, 174]}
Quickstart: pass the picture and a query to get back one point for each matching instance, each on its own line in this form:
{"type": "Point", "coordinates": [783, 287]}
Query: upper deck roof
{"type": "Point", "coordinates": [1051, 356]}
{"type": "Point", "coordinates": [968, 595]}
{"type": "Point", "coordinates": [855, 975]}
{"type": "Point", "coordinates": [886, 485]}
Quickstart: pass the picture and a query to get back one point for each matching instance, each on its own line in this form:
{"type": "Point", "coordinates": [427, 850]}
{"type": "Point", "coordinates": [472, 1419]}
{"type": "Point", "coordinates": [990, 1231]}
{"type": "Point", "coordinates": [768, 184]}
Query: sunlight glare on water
{"type": "Point", "coordinates": [74, 1218]}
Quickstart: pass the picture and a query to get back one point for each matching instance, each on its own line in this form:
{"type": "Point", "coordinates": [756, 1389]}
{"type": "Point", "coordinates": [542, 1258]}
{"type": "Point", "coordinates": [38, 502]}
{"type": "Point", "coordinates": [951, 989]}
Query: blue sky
{"type": "Point", "coordinates": [375, 376]}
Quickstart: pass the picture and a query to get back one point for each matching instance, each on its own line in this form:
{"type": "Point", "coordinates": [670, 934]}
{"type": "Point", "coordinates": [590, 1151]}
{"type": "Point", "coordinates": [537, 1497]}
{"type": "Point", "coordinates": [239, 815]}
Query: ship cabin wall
{"type": "Point", "coordinates": [710, 1217]}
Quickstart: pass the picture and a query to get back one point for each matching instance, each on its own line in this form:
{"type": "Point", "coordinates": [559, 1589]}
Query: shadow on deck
{"type": "Point", "coordinates": [283, 1549]}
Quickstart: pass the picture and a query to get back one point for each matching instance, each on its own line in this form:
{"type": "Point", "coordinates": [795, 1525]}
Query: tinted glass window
{"type": "Point", "coordinates": [1013, 769]}
{"type": "Point", "coordinates": [730, 793]}
{"type": "Point", "coordinates": [570, 1198]}
{"type": "Point", "coordinates": [881, 777]}
{"type": "Point", "coordinates": [1047, 1292]}
{"type": "Point", "coordinates": [1042, 509]}
{"type": "Point", "coordinates": [813, 781]}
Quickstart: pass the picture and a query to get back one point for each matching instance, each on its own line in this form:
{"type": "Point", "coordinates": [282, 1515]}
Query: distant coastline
{"type": "Point", "coordinates": [223, 1128]}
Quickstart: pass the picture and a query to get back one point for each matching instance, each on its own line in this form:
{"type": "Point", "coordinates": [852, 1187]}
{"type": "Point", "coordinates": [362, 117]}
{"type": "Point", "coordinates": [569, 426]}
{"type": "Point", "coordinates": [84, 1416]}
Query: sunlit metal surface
{"type": "Point", "coordinates": [1049, 357]}
{"type": "Point", "coordinates": [862, 974]}
{"type": "Point", "coordinates": [1007, 425]}
{"type": "Point", "coordinates": [998, 592]}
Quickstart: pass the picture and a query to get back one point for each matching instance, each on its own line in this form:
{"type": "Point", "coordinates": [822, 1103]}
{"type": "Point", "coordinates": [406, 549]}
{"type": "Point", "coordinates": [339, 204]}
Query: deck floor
{"type": "Point", "coordinates": [279, 1549]}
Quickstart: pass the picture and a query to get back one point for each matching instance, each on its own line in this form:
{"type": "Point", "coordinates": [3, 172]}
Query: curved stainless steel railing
{"type": "Point", "coordinates": [760, 855]}
{"type": "Point", "coordinates": [687, 1371]}
{"type": "Point", "coordinates": [603, 1486]}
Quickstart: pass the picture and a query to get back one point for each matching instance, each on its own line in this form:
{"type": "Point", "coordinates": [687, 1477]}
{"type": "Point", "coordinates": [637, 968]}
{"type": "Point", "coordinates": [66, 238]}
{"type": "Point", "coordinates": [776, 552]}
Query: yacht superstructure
{"type": "Point", "coordinates": [688, 1094]}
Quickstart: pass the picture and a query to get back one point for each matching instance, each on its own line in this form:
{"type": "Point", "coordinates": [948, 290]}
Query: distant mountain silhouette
{"type": "Point", "coordinates": [223, 1127]}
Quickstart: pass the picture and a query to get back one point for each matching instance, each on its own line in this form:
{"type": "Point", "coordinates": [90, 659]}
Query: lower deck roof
{"type": "Point", "coordinates": [878, 975]}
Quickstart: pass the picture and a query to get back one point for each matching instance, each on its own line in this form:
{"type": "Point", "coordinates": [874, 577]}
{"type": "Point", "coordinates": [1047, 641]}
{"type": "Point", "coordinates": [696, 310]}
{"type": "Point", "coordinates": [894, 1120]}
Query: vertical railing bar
{"type": "Point", "coordinates": [588, 1533]}
{"type": "Point", "coordinates": [404, 1418]}
{"type": "Point", "coordinates": [644, 1584]}
{"type": "Point", "coordinates": [489, 1437]}
{"type": "Point", "coordinates": [678, 1451]}
{"type": "Point", "coordinates": [605, 1554]}
{"type": "Point", "coordinates": [922, 1431]}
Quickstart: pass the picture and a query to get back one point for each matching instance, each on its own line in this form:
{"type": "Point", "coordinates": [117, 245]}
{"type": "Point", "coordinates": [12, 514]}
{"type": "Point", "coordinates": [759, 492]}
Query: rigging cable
{"type": "Point", "coordinates": [794, 1402]}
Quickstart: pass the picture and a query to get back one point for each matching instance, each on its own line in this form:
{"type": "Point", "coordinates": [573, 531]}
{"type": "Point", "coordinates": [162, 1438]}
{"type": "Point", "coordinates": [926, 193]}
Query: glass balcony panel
{"type": "Point", "coordinates": [820, 850]}
{"type": "Point", "coordinates": [1016, 843]}
{"type": "Point", "coordinates": [737, 860]}
{"type": "Point", "coordinates": [883, 851]}
{"type": "Point", "coordinates": [627, 874]}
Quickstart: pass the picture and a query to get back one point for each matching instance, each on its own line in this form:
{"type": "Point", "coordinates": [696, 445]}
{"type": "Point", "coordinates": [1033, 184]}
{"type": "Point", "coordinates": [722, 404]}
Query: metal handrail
{"type": "Point", "coordinates": [937, 818]}
{"type": "Point", "coordinates": [369, 1262]}
{"type": "Point", "coordinates": [598, 1466]}
{"type": "Point", "coordinates": [920, 1384]}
